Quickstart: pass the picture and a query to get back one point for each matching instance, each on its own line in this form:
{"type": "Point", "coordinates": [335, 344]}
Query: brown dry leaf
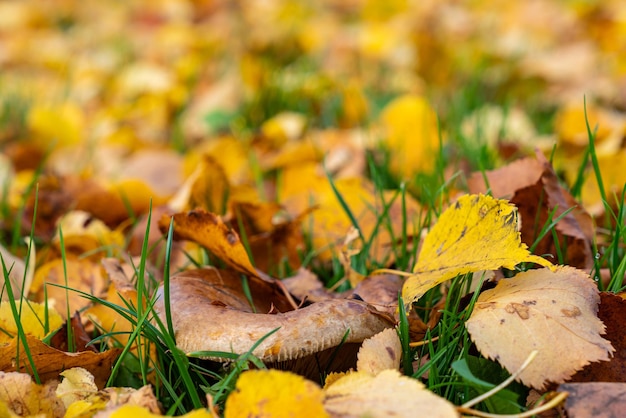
{"type": "Point", "coordinates": [210, 231]}
{"type": "Point", "coordinates": [80, 336]}
{"type": "Point", "coordinates": [386, 394]}
{"type": "Point", "coordinates": [276, 394]}
{"type": "Point", "coordinates": [595, 399]}
{"type": "Point", "coordinates": [26, 398]}
{"type": "Point", "coordinates": [274, 238]}
{"type": "Point", "coordinates": [81, 274]}
{"type": "Point", "coordinates": [534, 188]}
{"type": "Point", "coordinates": [235, 328]}
{"type": "Point", "coordinates": [533, 310]}
{"type": "Point", "coordinates": [476, 233]}
{"type": "Point", "coordinates": [50, 362]}
{"type": "Point", "coordinates": [210, 187]}
{"type": "Point", "coordinates": [381, 352]}
{"type": "Point", "coordinates": [612, 312]}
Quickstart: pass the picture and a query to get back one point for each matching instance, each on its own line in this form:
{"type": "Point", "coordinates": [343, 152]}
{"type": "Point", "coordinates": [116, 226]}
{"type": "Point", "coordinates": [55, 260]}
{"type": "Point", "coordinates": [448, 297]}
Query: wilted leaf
{"type": "Point", "coordinates": [26, 398]}
{"type": "Point", "coordinates": [19, 276]}
{"type": "Point", "coordinates": [380, 352]}
{"type": "Point", "coordinates": [50, 362]}
{"type": "Point", "coordinates": [77, 384]}
{"type": "Point", "coordinates": [121, 402]}
{"type": "Point", "coordinates": [211, 232]}
{"type": "Point", "coordinates": [595, 399]}
{"type": "Point", "coordinates": [534, 310]}
{"type": "Point", "coordinates": [476, 233]}
{"type": "Point", "coordinates": [386, 394]}
{"type": "Point", "coordinates": [276, 394]}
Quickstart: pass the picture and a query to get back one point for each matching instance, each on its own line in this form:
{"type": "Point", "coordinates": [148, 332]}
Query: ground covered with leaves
{"type": "Point", "coordinates": [286, 208]}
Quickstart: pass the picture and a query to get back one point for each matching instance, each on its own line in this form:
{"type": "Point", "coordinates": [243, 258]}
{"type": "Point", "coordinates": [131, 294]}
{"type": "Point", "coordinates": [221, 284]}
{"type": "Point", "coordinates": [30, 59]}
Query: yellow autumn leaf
{"type": "Point", "coordinates": [412, 135]}
{"type": "Point", "coordinates": [274, 394]}
{"type": "Point", "coordinates": [541, 310]}
{"type": "Point", "coordinates": [59, 125]}
{"type": "Point", "coordinates": [360, 394]}
{"type": "Point", "coordinates": [32, 319]}
{"type": "Point", "coordinates": [476, 233]}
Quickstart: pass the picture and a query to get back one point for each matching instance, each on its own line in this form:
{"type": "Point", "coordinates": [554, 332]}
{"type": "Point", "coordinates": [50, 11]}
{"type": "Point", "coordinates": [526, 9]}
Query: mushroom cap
{"type": "Point", "coordinates": [202, 323]}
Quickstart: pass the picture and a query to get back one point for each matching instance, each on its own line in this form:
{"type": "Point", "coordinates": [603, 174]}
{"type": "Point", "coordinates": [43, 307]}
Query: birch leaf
{"type": "Point", "coordinates": [477, 233]}
{"type": "Point", "coordinates": [541, 310]}
{"type": "Point", "coordinates": [360, 394]}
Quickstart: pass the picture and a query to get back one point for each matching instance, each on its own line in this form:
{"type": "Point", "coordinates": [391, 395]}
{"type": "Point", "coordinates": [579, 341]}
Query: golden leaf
{"type": "Point", "coordinates": [387, 394]}
{"type": "Point", "coordinates": [412, 135]}
{"type": "Point", "coordinates": [210, 231]}
{"type": "Point", "coordinates": [476, 233]}
{"type": "Point", "coordinates": [77, 385]}
{"type": "Point", "coordinates": [275, 394]}
{"type": "Point", "coordinates": [541, 310]}
{"type": "Point", "coordinates": [32, 320]}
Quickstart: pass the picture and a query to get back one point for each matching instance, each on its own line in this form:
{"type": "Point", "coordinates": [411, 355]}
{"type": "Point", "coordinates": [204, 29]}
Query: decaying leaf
{"type": "Point", "coordinates": [380, 352]}
{"type": "Point", "coordinates": [26, 398]}
{"type": "Point", "coordinates": [122, 402]}
{"type": "Point", "coordinates": [612, 312]}
{"type": "Point", "coordinates": [276, 394]}
{"type": "Point", "coordinates": [476, 233]}
{"type": "Point", "coordinates": [235, 328]}
{"type": "Point", "coordinates": [387, 394]}
{"type": "Point", "coordinates": [534, 311]}
{"type": "Point", "coordinates": [595, 399]}
{"type": "Point", "coordinates": [50, 362]}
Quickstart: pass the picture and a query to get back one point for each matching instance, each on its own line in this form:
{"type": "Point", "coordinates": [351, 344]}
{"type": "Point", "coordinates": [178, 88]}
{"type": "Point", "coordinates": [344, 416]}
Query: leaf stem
{"type": "Point", "coordinates": [502, 385]}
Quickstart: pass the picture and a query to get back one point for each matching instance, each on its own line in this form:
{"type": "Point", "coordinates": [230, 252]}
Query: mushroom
{"type": "Point", "coordinates": [205, 319]}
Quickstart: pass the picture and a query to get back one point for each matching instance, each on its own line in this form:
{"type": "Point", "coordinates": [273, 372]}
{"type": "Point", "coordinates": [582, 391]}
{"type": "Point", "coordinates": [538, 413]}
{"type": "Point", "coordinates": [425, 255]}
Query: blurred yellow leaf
{"type": "Point", "coordinates": [533, 311]}
{"type": "Point", "coordinates": [387, 394]}
{"type": "Point", "coordinates": [32, 319]}
{"type": "Point", "coordinates": [412, 135]}
{"type": "Point", "coordinates": [58, 125]}
{"type": "Point", "coordinates": [274, 394]}
{"type": "Point", "coordinates": [476, 233]}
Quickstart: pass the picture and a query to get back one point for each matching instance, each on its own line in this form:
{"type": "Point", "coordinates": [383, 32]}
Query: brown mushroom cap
{"type": "Point", "coordinates": [203, 324]}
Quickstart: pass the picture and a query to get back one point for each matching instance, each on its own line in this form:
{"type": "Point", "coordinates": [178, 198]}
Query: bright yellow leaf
{"type": "Point", "coordinates": [58, 126]}
{"type": "Point", "coordinates": [541, 310]}
{"type": "Point", "coordinates": [274, 394]}
{"type": "Point", "coordinates": [476, 233]}
{"type": "Point", "coordinates": [412, 135]}
{"type": "Point", "coordinates": [32, 320]}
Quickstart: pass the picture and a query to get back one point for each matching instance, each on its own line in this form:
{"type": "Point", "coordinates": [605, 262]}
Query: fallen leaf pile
{"type": "Point", "coordinates": [211, 208]}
